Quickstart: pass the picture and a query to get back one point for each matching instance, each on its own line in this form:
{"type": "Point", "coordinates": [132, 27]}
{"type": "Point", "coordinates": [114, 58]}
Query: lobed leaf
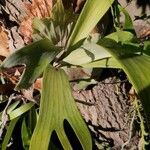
{"type": "Point", "coordinates": [57, 105]}
{"type": "Point", "coordinates": [35, 56]}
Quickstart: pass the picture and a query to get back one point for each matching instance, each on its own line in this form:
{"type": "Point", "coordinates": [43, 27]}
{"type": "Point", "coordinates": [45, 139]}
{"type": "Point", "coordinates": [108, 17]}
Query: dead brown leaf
{"type": "Point", "coordinates": [11, 74]}
{"type": "Point", "coordinates": [4, 44]}
{"type": "Point", "coordinates": [38, 8]}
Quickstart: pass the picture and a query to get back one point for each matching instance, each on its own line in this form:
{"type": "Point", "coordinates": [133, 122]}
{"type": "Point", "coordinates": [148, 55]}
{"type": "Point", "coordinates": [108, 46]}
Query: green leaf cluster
{"type": "Point", "coordinates": [58, 45]}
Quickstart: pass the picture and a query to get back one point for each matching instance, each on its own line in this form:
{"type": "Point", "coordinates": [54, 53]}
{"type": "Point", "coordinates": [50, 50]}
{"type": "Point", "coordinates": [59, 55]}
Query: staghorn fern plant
{"type": "Point", "coordinates": [58, 44]}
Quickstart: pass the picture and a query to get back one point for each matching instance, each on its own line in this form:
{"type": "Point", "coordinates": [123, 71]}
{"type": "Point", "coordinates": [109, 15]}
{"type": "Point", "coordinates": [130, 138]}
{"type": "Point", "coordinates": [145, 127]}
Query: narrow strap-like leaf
{"type": "Point", "coordinates": [92, 12]}
{"type": "Point", "coordinates": [21, 110]}
{"type": "Point", "coordinates": [128, 23]}
{"type": "Point", "coordinates": [8, 135]}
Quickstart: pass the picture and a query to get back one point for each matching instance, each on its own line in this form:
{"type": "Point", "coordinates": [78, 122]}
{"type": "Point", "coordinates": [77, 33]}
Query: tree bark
{"type": "Point", "coordinates": [105, 107]}
{"type": "Point", "coordinates": [109, 117]}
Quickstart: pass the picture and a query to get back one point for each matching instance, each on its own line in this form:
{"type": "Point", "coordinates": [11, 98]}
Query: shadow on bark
{"type": "Point", "coordinates": [143, 4]}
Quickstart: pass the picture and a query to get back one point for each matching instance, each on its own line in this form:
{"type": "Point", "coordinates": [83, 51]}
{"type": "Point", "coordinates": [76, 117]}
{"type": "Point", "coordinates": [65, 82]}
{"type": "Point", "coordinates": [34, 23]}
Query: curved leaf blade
{"type": "Point", "coordinates": [136, 66]}
{"type": "Point", "coordinates": [35, 56]}
{"type": "Point", "coordinates": [103, 63]}
{"type": "Point", "coordinates": [11, 108]}
{"type": "Point", "coordinates": [57, 104]}
{"type": "Point", "coordinates": [9, 133]}
{"type": "Point", "coordinates": [21, 110]}
{"type": "Point", "coordinates": [121, 36]}
{"type": "Point", "coordinates": [88, 18]}
{"type": "Point", "coordinates": [86, 53]}
{"type": "Point", "coordinates": [128, 24]}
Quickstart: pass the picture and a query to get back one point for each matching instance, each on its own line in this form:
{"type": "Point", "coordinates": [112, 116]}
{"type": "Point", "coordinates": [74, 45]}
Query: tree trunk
{"type": "Point", "coordinates": [109, 118]}
{"type": "Point", "coordinates": [106, 107]}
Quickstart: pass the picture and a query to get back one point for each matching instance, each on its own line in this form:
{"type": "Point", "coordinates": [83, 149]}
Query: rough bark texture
{"type": "Point", "coordinates": [108, 117]}
{"type": "Point", "coordinates": [136, 9]}
{"type": "Point", "coordinates": [11, 15]}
